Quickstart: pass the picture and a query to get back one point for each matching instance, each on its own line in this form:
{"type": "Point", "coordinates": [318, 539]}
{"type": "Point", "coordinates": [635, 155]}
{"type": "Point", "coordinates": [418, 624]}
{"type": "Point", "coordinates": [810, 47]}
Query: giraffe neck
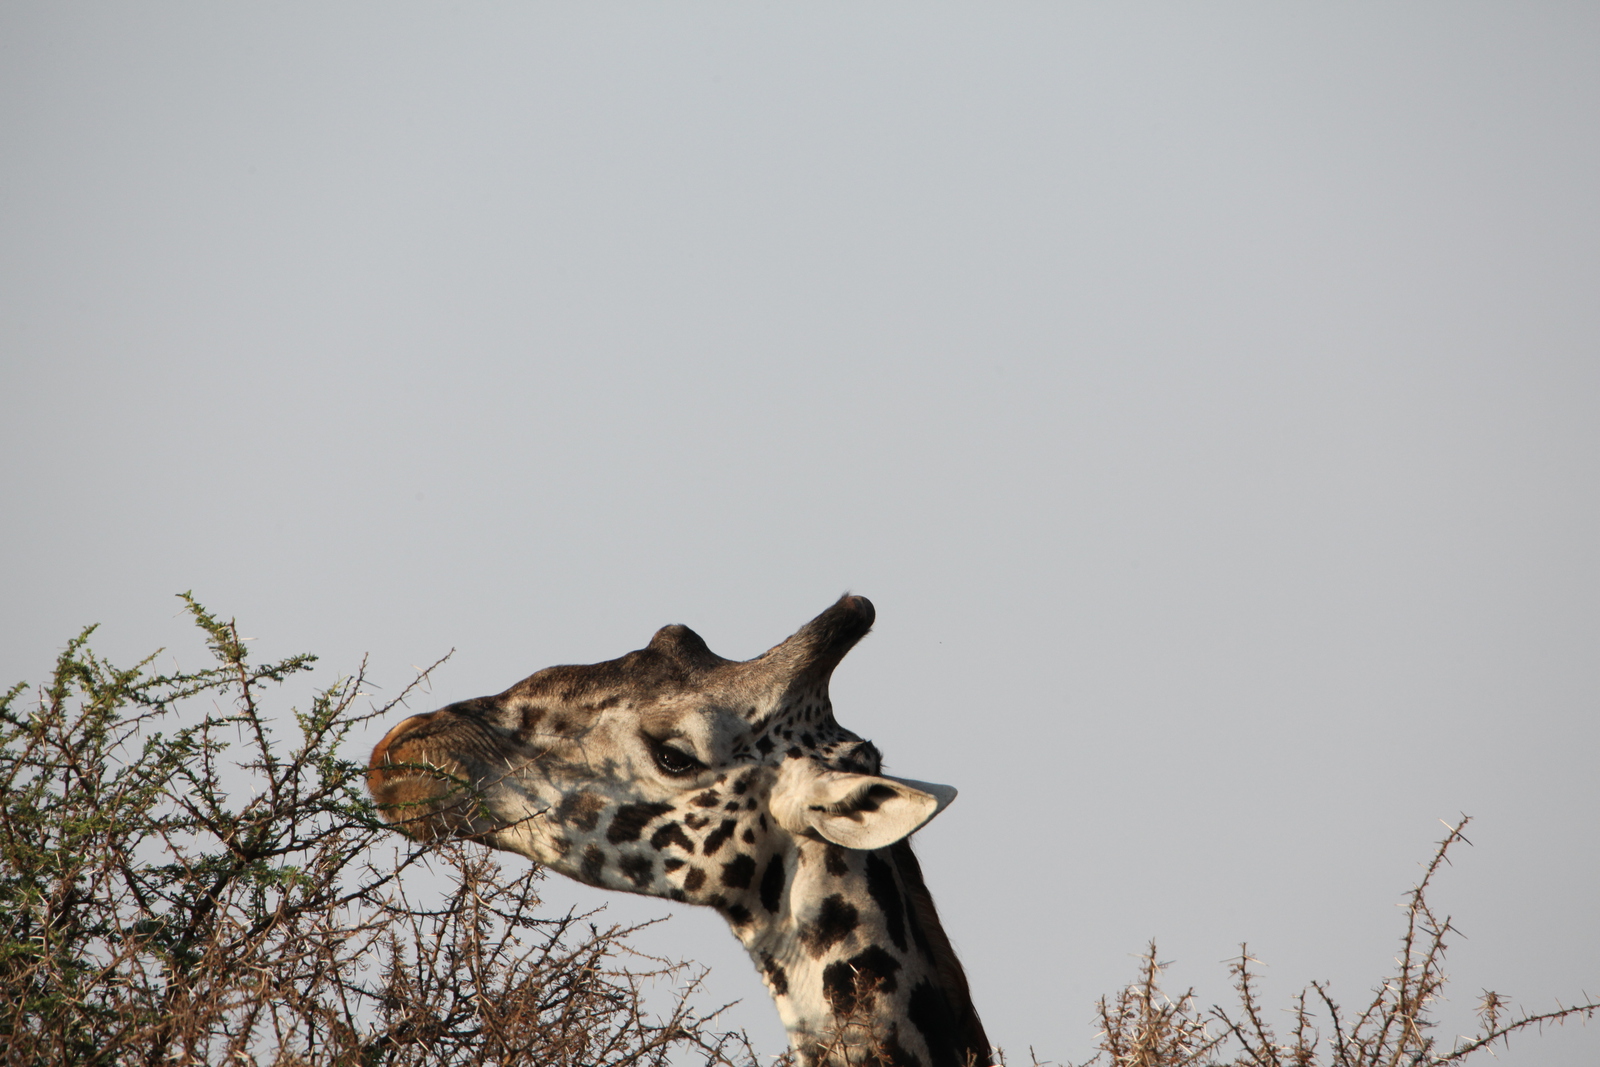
{"type": "Point", "coordinates": [861, 971]}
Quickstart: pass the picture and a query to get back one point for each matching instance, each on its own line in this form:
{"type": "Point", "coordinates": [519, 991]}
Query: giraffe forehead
{"type": "Point", "coordinates": [677, 661]}
{"type": "Point", "coordinates": [691, 718]}
{"type": "Point", "coordinates": [721, 704]}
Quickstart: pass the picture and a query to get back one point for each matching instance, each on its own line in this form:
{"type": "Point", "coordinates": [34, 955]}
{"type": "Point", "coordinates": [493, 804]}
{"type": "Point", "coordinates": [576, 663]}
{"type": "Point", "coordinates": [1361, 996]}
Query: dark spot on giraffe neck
{"type": "Point", "coordinates": [886, 894]}
{"type": "Point", "coordinates": [850, 983]}
{"type": "Point", "coordinates": [737, 914]}
{"type": "Point", "coordinates": [694, 879]}
{"type": "Point", "coordinates": [834, 862]}
{"type": "Point", "coordinates": [897, 1055]}
{"type": "Point", "coordinates": [777, 977]}
{"type": "Point", "coordinates": [772, 883]}
{"type": "Point", "coordinates": [738, 872]}
{"type": "Point", "coordinates": [918, 934]}
{"type": "Point", "coordinates": [630, 820]}
{"type": "Point", "coordinates": [931, 1014]}
{"type": "Point", "coordinates": [835, 921]}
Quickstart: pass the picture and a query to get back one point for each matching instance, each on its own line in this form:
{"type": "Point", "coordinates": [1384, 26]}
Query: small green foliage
{"type": "Point", "coordinates": [180, 886]}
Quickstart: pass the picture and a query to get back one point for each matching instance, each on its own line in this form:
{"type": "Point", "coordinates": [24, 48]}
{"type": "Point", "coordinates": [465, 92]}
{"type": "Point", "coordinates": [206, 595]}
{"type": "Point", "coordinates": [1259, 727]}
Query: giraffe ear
{"type": "Point", "coordinates": [863, 811]}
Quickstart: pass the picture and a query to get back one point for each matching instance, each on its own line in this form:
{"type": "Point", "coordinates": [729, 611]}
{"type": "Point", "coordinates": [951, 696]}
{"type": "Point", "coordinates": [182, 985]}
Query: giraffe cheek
{"type": "Point", "coordinates": [671, 835]}
{"type": "Point", "coordinates": [536, 843]}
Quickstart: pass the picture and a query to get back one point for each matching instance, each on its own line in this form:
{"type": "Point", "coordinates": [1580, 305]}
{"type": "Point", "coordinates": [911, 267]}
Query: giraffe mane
{"type": "Point", "coordinates": [952, 978]}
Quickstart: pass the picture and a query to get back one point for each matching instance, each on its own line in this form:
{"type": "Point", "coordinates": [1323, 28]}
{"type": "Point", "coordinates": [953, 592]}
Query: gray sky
{"type": "Point", "coordinates": [1206, 395]}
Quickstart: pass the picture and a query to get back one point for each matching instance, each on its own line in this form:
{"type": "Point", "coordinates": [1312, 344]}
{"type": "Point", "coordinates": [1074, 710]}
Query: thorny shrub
{"type": "Point", "coordinates": [180, 886]}
{"type": "Point", "coordinates": [212, 894]}
{"type": "Point", "coordinates": [1143, 1027]}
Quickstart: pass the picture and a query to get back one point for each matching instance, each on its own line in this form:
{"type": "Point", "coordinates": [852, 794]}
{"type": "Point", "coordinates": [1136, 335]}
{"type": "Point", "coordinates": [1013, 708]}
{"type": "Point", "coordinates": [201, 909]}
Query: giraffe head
{"type": "Point", "coordinates": [662, 772]}
{"type": "Point", "coordinates": [674, 772]}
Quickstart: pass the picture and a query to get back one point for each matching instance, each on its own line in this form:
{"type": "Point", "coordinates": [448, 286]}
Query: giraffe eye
{"type": "Point", "coordinates": [673, 761]}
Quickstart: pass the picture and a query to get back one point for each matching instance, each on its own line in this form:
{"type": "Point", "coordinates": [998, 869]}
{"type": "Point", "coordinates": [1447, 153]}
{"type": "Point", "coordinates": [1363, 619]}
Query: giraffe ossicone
{"type": "Point", "coordinates": [674, 772]}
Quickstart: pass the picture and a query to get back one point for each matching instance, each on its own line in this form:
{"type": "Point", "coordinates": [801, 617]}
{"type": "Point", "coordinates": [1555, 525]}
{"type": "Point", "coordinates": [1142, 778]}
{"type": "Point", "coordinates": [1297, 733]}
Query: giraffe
{"type": "Point", "coordinates": [674, 772]}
